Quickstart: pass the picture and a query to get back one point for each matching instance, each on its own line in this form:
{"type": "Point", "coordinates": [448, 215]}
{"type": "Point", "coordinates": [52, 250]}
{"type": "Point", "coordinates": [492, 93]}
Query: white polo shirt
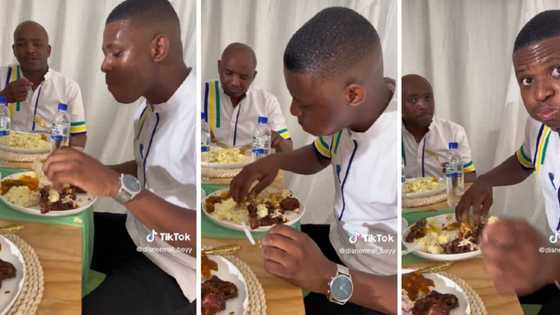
{"type": "Point", "coordinates": [426, 158]}
{"type": "Point", "coordinates": [364, 168]}
{"type": "Point", "coordinates": [165, 151]}
{"type": "Point", "coordinates": [42, 103]}
{"type": "Point", "coordinates": [540, 151]}
{"type": "Point", "coordinates": [235, 125]}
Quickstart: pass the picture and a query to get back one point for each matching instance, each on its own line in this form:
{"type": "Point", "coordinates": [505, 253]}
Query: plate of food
{"type": "Point", "coordinates": [12, 274]}
{"type": "Point", "coordinates": [29, 193]}
{"type": "Point", "coordinates": [419, 187]}
{"type": "Point", "coordinates": [220, 157]}
{"type": "Point", "coordinates": [443, 238]}
{"type": "Point", "coordinates": [259, 212]}
{"type": "Point", "coordinates": [26, 142]}
{"type": "Point", "coordinates": [224, 289]}
{"type": "Point", "coordinates": [438, 293]}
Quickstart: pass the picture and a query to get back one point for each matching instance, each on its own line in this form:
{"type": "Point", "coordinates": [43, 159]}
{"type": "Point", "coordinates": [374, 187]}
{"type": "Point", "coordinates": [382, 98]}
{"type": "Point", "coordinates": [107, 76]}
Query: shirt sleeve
{"type": "Point", "coordinates": [523, 154]}
{"type": "Point", "coordinates": [77, 111]}
{"type": "Point", "coordinates": [277, 121]}
{"type": "Point", "coordinates": [465, 150]}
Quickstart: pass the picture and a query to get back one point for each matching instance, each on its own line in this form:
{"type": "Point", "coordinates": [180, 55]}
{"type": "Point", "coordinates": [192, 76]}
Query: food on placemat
{"type": "Point", "coordinates": [268, 208]}
{"type": "Point", "coordinates": [215, 291]}
{"type": "Point", "coordinates": [28, 191]}
{"type": "Point", "coordinates": [220, 155]}
{"type": "Point", "coordinates": [422, 184]}
{"type": "Point", "coordinates": [27, 141]}
{"type": "Point", "coordinates": [450, 237]}
{"type": "Point", "coordinates": [420, 298]}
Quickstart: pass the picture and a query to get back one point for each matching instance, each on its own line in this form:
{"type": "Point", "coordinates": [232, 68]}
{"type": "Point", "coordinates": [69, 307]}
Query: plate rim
{"type": "Point", "coordinates": [245, 303]}
{"type": "Point", "coordinates": [20, 285]}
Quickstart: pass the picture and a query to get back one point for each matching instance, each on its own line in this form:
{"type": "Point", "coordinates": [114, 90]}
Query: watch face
{"type": "Point", "coordinates": [342, 288]}
{"type": "Point", "coordinates": [131, 183]}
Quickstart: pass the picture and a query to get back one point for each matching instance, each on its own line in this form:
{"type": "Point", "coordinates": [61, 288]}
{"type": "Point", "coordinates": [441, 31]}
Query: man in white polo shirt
{"type": "Point", "coordinates": [232, 108]}
{"type": "Point", "coordinates": [149, 253]}
{"type": "Point", "coordinates": [34, 90]}
{"type": "Point", "coordinates": [517, 255]}
{"type": "Point", "coordinates": [333, 66]}
{"type": "Point", "coordinates": [425, 138]}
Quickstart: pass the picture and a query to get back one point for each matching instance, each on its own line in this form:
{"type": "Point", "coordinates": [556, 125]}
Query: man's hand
{"type": "Point", "coordinates": [70, 166]}
{"type": "Point", "coordinates": [293, 256]}
{"type": "Point", "coordinates": [511, 252]}
{"type": "Point", "coordinates": [479, 198]}
{"type": "Point", "coordinates": [280, 144]}
{"type": "Point", "coordinates": [264, 171]}
{"type": "Point", "coordinates": [17, 91]}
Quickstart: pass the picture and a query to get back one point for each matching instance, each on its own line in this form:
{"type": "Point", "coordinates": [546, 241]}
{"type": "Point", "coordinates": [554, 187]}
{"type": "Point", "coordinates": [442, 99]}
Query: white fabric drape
{"type": "Point", "coordinates": [75, 33]}
{"type": "Point", "coordinates": [464, 48]}
{"type": "Point", "coordinates": [267, 26]}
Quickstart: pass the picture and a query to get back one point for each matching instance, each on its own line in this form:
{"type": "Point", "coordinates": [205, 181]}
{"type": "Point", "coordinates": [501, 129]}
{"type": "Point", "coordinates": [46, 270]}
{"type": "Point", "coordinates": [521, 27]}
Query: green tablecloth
{"type": "Point", "coordinates": [83, 220]}
{"type": "Point", "coordinates": [411, 217]}
{"type": "Point", "coordinates": [213, 230]}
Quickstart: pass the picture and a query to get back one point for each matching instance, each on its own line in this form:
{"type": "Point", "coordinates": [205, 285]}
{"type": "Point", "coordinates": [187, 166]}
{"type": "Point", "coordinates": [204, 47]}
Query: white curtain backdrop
{"type": "Point", "coordinates": [464, 48]}
{"type": "Point", "coordinates": [75, 30]}
{"type": "Point", "coordinates": [267, 26]}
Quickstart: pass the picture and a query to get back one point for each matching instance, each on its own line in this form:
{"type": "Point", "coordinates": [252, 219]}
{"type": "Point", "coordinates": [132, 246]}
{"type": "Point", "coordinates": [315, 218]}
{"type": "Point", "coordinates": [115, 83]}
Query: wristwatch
{"type": "Point", "coordinates": [340, 286]}
{"type": "Point", "coordinates": [130, 187]}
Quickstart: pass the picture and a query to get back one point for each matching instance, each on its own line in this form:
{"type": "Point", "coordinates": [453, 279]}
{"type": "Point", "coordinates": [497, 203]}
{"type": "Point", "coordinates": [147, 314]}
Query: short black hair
{"type": "Point", "coordinates": [334, 39]}
{"type": "Point", "coordinates": [542, 26]}
{"type": "Point", "coordinates": [148, 10]}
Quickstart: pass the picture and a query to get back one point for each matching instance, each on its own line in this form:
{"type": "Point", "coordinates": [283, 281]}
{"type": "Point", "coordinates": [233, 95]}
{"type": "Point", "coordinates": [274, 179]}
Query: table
{"type": "Point", "coordinates": [281, 296]}
{"type": "Point", "coordinates": [473, 272]}
{"type": "Point", "coordinates": [83, 221]}
{"type": "Point", "coordinates": [59, 248]}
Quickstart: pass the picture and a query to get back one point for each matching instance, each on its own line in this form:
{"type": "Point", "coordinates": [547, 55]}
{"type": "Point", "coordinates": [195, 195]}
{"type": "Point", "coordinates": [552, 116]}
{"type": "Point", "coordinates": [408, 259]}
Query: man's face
{"type": "Point", "coordinates": [127, 61]}
{"type": "Point", "coordinates": [537, 68]}
{"type": "Point", "coordinates": [31, 48]}
{"type": "Point", "coordinates": [418, 102]}
{"type": "Point", "coordinates": [237, 72]}
{"type": "Point", "coordinates": [317, 103]}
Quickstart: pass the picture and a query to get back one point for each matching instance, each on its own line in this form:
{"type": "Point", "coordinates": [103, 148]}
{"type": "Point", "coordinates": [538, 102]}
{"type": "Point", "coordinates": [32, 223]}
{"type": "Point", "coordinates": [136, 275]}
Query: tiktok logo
{"type": "Point", "coordinates": [151, 237]}
{"type": "Point", "coordinates": [554, 238]}
{"type": "Point", "coordinates": [354, 238]}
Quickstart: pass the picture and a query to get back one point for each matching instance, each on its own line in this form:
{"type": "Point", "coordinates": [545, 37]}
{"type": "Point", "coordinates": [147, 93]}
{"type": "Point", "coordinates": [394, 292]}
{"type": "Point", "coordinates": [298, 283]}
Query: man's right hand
{"type": "Point", "coordinates": [17, 91]}
{"type": "Point", "coordinates": [479, 198]}
{"type": "Point", "coordinates": [264, 171]}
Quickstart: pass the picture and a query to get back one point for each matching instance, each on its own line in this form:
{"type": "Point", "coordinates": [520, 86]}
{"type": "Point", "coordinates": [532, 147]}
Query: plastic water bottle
{"type": "Point", "coordinates": [5, 120]}
{"type": "Point", "coordinates": [261, 138]}
{"type": "Point", "coordinates": [60, 133]}
{"type": "Point", "coordinates": [403, 174]}
{"type": "Point", "coordinates": [205, 138]}
{"type": "Point", "coordinates": [454, 175]}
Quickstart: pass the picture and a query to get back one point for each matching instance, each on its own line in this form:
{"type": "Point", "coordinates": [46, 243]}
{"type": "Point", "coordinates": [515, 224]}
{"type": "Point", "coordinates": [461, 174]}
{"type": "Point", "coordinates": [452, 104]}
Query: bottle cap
{"type": "Point", "coordinates": [453, 145]}
{"type": "Point", "coordinates": [262, 120]}
{"type": "Point", "coordinates": [203, 116]}
{"type": "Point", "coordinates": [62, 107]}
{"type": "Point", "coordinates": [3, 100]}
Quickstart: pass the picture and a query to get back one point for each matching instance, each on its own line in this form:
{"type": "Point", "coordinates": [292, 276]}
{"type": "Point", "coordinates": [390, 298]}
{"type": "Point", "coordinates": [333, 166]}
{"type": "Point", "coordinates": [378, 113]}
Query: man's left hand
{"type": "Point", "coordinates": [512, 254]}
{"type": "Point", "coordinates": [294, 256]}
{"type": "Point", "coordinates": [70, 166]}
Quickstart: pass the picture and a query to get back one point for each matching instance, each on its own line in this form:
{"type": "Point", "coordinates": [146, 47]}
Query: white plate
{"type": "Point", "coordinates": [84, 200]}
{"type": "Point", "coordinates": [292, 217]}
{"type": "Point", "coordinates": [11, 288]}
{"type": "Point", "coordinates": [444, 285]}
{"type": "Point", "coordinates": [228, 165]}
{"type": "Point", "coordinates": [441, 219]}
{"type": "Point", "coordinates": [438, 190]}
{"type": "Point", "coordinates": [6, 147]}
{"type": "Point", "coordinates": [227, 271]}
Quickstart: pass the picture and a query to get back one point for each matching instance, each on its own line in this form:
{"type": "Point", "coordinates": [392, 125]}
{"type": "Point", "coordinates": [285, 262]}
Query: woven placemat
{"type": "Point", "coordinates": [33, 284]}
{"type": "Point", "coordinates": [257, 300]}
{"type": "Point", "coordinates": [474, 300]}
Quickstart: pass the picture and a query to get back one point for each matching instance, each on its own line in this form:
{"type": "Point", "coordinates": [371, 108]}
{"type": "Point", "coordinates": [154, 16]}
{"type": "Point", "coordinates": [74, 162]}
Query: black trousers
{"type": "Point", "coordinates": [548, 296]}
{"type": "Point", "coordinates": [318, 303]}
{"type": "Point", "coordinates": [134, 285]}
